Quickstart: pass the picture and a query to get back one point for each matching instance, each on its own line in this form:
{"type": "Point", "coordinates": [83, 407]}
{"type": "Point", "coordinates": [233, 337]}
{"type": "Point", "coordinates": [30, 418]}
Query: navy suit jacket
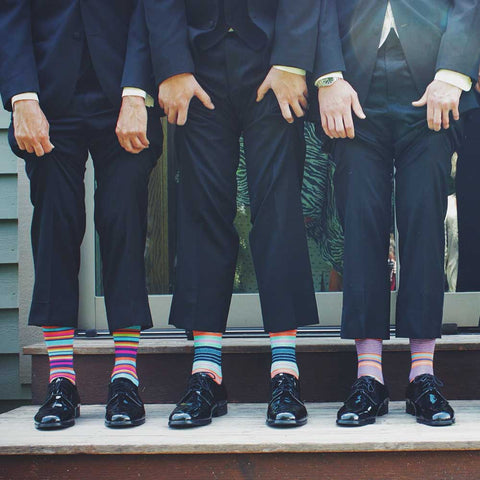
{"type": "Point", "coordinates": [290, 27]}
{"type": "Point", "coordinates": [41, 48]}
{"type": "Point", "coordinates": [435, 34]}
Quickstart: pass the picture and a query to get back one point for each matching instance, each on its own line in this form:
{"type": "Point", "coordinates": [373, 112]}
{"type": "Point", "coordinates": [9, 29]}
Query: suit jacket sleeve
{"type": "Point", "coordinates": [168, 34]}
{"type": "Point", "coordinates": [460, 45]}
{"type": "Point", "coordinates": [137, 71]}
{"type": "Point", "coordinates": [329, 55]}
{"type": "Point", "coordinates": [18, 68]}
{"type": "Point", "coordinates": [296, 31]}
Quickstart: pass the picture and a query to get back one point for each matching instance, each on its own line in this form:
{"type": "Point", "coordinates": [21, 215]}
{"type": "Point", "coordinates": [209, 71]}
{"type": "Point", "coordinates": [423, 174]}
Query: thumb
{"type": "Point", "coordinates": [357, 108]}
{"type": "Point", "coordinates": [421, 102]}
{"type": "Point", "coordinates": [202, 95]}
{"type": "Point", "coordinates": [262, 90]}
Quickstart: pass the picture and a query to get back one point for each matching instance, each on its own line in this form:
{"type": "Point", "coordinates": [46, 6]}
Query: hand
{"type": "Point", "coordinates": [132, 124]}
{"type": "Point", "coordinates": [441, 98]}
{"type": "Point", "coordinates": [290, 90]}
{"type": "Point", "coordinates": [31, 128]}
{"type": "Point", "coordinates": [175, 94]}
{"type": "Point", "coordinates": [336, 104]}
{"type": "Point", "coordinates": [477, 86]}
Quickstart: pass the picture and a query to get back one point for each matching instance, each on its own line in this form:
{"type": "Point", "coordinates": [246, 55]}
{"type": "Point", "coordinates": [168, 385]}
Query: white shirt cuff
{"type": "Point", "coordinates": [454, 78]}
{"type": "Point", "coordinates": [298, 71]}
{"type": "Point", "coordinates": [24, 96]}
{"type": "Point", "coordinates": [329, 75]}
{"type": "Point", "coordinates": [138, 92]}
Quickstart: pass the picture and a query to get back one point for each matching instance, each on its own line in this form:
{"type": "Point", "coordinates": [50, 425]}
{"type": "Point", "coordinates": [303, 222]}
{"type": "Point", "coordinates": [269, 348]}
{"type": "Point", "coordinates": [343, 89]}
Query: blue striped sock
{"type": "Point", "coordinates": [284, 359]}
{"type": "Point", "coordinates": [208, 354]}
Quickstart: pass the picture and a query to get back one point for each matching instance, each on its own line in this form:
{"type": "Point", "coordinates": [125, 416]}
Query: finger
{"type": "Point", "coordinates": [172, 116]}
{"type": "Point", "coordinates": [331, 126]}
{"type": "Point", "coordinates": [262, 90]}
{"type": "Point", "coordinates": [202, 95]}
{"type": "Point", "coordinates": [437, 118]}
{"type": "Point", "coordinates": [297, 109]}
{"type": "Point", "coordinates": [144, 140]}
{"type": "Point", "coordinates": [127, 145]}
{"type": "Point", "coordinates": [325, 125]}
{"type": "Point", "coordinates": [20, 144]}
{"type": "Point", "coordinates": [348, 123]}
{"type": "Point", "coordinates": [339, 127]}
{"type": "Point", "coordinates": [29, 147]}
{"type": "Point", "coordinates": [303, 102]}
{"type": "Point", "coordinates": [136, 143]}
{"type": "Point", "coordinates": [287, 114]}
{"type": "Point", "coordinates": [421, 102]}
{"type": "Point", "coordinates": [446, 118]}
{"type": "Point", "coordinates": [430, 111]}
{"type": "Point", "coordinates": [456, 113]}
{"type": "Point", "coordinates": [160, 102]}
{"type": "Point", "coordinates": [357, 108]}
{"type": "Point", "coordinates": [182, 116]}
{"type": "Point", "coordinates": [37, 147]}
{"type": "Point", "coordinates": [46, 145]}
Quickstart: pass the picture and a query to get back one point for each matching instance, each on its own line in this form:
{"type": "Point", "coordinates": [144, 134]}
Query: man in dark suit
{"type": "Point", "coordinates": [227, 68]}
{"type": "Point", "coordinates": [405, 68]}
{"type": "Point", "coordinates": [63, 65]}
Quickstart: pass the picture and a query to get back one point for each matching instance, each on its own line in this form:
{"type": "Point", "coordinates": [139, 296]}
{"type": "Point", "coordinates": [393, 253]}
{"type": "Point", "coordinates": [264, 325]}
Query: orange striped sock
{"type": "Point", "coordinates": [284, 359]}
{"type": "Point", "coordinates": [422, 357]}
{"type": "Point", "coordinates": [59, 342]}
{"type": "Point", "coordinates": [369, 352]}
{"type": "Point", "coordinates": [126, 347]}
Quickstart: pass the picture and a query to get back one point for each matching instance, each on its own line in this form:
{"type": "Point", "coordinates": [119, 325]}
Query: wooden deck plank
{"type": "Point", "coordinates": [242, 431]}
{"type": "Point", "coordinates": [256, 345]}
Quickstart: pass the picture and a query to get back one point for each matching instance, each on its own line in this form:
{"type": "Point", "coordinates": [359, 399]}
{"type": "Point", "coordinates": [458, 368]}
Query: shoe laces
{"type": "Point", "coordinates": [284, 382]}
{"type": "Point", "coordinates": [200, 382]}
{"type": "Point", "coordinates": [429, 381]}
{"type": "Point", "coordinates": [364, 385]}
{"type": "Point", "coordinates": [59, 387]}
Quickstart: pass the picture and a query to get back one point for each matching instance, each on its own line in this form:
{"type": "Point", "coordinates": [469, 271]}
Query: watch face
{"type": "Point", "coordinates": [328, 81]}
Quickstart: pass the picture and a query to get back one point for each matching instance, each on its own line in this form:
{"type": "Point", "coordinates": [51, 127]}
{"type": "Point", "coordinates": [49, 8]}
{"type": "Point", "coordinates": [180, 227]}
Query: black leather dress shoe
{"type": "Point", "coordinates": [124, 406]}
{"type": "Point", "coordinates": [203, 400]}
{"type": "Point", "coordinates": [285, 408]}
{"type": "Point", "coordinates": [367, 401]}
{"type": "Point", "coordinates": [61, 406]}
{"type": "Point", "coordinates": [426, 402]}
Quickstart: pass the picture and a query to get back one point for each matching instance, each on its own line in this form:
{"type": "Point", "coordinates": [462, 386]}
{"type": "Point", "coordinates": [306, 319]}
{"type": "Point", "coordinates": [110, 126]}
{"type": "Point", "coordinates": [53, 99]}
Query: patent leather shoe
{"type": "Point", "coordinates": [285, 408]}
{"type": "Point", "coordinates": [368, 400]}
{"type": "Point", "coordinates": [61, 406]}
{"type": "Point", "coordinates": [124, 405]}
{"type": "Point", "coordinates": [425, 401]}
{"type": "Point", "coordinates": [203, 400]}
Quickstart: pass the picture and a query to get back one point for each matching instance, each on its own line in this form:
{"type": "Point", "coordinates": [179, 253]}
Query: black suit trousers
{"type": "Point", "coordinates": [468, 202]}
{"type": "Point", "coordinates": [58, 226]}
{"type": "Point", "coordinates": [393, 142]}
{"type": "Point", "coordinates": [208, 154]}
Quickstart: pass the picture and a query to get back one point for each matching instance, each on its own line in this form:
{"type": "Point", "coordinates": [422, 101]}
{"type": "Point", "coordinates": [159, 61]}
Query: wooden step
{"type": "Point", "coordinates": [240, 446]}
{"type": "Point", "coordinates": [327, 368]}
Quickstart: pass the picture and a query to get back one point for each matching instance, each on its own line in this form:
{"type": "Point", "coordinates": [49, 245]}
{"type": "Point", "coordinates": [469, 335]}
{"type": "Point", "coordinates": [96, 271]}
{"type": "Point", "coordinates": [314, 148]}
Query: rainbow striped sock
{"type": "Point", "coordinates": [284, 359]}
{"type": "Point", "coordinates": [208, 354]}
{"type": "Point", "coordinates": [126, 346]}
{"type": "Point", "coordinates": [369, 352]}
{"type": "Point", "coordinates": [422, 357]}
{"type": "Point", "coordinates": [59, 342]}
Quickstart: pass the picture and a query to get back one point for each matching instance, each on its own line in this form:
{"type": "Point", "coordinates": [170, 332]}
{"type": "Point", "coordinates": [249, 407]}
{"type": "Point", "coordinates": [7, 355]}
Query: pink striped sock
{"type": "Point", "coordinates": [369, 352]}
{"type": "Point", "coordinates": [422, 357]}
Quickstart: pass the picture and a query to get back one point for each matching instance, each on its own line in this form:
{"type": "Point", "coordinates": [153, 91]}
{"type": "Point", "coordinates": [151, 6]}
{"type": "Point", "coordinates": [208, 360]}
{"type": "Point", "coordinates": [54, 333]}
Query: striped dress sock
{"type": "Point", "coordinates": [422, 357]}
{"type": "Point", "coordinates": [284, 359]}
{"type": "Point", "coordinates": [369, 352]}
{"type": "Point", "coordinates": [208, 354]}
{"type": "Point", "coordinates": [126, 346]}
{"type": "Point", "coordinates": [59, 342]}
